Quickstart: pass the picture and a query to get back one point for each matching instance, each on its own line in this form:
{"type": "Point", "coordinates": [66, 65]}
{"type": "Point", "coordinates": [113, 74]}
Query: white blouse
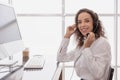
{"type": "Point", "coordinates": [90, 63]}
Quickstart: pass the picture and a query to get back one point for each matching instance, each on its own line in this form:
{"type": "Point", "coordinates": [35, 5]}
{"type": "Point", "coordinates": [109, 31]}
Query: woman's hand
{"type": "Point", "coordinates": [90, 39]}
{"type": "Point", "coordinates": [70, 30]}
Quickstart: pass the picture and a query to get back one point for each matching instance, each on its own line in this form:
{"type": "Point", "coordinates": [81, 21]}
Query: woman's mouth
{"type": "Point", "coordinates": [84, 30]}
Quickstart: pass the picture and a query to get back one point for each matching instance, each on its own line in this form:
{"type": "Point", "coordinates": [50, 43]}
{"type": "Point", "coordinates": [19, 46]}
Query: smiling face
{"type": "Point", "coordinates": [85, 23]}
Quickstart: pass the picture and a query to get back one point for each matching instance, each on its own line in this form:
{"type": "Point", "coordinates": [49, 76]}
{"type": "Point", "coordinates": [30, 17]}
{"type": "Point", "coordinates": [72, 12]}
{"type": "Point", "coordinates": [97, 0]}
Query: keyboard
{"type": "Point", "coordinates": [36, 62]}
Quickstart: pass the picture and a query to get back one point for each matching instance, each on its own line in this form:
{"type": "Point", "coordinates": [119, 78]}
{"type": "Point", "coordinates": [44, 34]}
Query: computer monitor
{"type": "Point", "coordinates": [10, 37]}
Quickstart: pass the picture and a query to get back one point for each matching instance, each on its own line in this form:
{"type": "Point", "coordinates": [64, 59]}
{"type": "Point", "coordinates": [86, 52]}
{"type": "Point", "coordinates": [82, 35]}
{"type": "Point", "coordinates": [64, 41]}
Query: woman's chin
{"type": "Point", "coordinates": [84, 34]}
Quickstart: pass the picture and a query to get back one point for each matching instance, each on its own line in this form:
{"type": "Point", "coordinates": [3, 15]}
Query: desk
{"type": "Point", "coordinates": [50, 71]}
{"type": "Point", "coordinates": [47, 73]}
{"type": "Point", "coordinates": [14, 75]}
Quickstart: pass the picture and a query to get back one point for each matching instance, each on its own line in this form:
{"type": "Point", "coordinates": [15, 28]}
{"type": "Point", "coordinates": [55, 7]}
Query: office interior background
{"type": "Point", "coordinates": [43, 23]}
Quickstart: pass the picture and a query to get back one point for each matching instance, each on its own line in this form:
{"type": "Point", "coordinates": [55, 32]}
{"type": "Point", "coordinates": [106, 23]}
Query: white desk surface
{"type": "Point", "coordinates": [3, 74]}
{"type": "Point", "coordinates": [46, 73]}
{"type": "Point", "coordinates": [15, 75]}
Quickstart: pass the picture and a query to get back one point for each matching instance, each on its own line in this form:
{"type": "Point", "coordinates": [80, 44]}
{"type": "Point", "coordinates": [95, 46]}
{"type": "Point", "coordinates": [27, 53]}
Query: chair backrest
{"type": "Point", "coordinates": [111, 72]}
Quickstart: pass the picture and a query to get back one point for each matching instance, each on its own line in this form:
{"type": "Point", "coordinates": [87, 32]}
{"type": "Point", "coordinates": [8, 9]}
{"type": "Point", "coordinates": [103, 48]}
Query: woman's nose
{"type": "Point", "coordinates": [82, 24]}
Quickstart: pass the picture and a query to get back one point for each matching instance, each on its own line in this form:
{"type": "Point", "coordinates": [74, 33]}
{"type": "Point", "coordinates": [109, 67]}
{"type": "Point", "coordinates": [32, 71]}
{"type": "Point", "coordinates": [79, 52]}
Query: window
{"type": "Point", "coordinates": [41, 34]}
{"type": "Point", "coordinates": [118, 48]}
{"type": "Point", "coordinates": [72, 6]}
{"type": "Point", "coordinates": [118, 6]}
{"type": "Point", "coordinates": [43, 25]}
{"type": "Point", "coordinates": [4, 1]}
{"type": "Point", "coordinates": [37, 6]}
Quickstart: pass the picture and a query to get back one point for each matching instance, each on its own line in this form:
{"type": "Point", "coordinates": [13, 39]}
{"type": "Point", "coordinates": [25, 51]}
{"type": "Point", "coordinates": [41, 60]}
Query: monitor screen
{"type": "Point", "coordinates": [10, 37]}
{"type": "Point", "coordinates": [9, 30]}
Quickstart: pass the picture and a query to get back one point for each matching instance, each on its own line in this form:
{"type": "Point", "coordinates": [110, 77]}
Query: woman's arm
{"type": "Point", "coordinates": [97, 59]}
{"type": "Point", "coordinates": [62, 54]}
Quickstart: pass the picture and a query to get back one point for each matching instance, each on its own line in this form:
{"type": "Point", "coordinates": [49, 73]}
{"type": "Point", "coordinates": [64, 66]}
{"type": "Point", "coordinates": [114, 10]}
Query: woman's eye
{"type": "Point", "coordinates": [87, 21]}
{"type": "Point", "coordinates": [78, 22]}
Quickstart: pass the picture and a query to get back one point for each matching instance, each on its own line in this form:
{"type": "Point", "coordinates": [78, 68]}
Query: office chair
{"type": "Point", "coordinates": [111, 72]}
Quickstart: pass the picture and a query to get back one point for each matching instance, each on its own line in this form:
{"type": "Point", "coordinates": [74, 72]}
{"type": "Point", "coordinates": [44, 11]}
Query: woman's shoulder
{"type": "Point", "coordinates": [103, 41]}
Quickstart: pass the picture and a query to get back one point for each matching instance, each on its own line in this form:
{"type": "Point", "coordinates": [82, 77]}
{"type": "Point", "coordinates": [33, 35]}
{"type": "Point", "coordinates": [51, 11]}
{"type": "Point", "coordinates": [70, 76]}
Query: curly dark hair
{"type": "Point", "coordinates": [97, 26]}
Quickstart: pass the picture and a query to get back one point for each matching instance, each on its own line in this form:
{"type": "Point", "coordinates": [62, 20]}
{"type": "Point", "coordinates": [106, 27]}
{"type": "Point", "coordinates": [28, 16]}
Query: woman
{"type": "Point", "coordinates": [92, 55]}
